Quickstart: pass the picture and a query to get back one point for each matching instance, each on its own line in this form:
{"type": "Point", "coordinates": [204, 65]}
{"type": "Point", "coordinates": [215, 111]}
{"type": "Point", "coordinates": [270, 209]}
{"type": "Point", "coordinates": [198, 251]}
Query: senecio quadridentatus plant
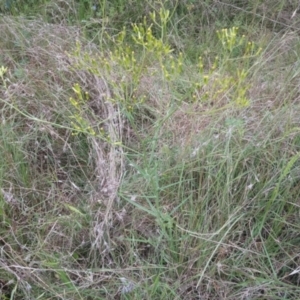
{"type": "Point", "coordinates": [140, 53]}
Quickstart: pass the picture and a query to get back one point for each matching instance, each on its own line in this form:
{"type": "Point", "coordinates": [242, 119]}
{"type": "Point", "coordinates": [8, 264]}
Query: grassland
{"type": "Point", "coordinates": [150, 156]}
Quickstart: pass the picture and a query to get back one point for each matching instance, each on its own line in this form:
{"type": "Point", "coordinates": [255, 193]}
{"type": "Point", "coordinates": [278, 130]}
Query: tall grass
{"type": "Point", "coordinates": [155, 160]}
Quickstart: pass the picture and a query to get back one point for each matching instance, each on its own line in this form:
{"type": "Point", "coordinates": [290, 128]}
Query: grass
{"type": "Point", "coordinates": [130, 168]}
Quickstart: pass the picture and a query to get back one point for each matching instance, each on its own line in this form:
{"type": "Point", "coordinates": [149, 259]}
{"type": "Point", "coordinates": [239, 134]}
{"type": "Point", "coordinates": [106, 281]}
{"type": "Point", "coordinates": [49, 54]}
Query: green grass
{"type": "Point", "coordinates": [132, 169]}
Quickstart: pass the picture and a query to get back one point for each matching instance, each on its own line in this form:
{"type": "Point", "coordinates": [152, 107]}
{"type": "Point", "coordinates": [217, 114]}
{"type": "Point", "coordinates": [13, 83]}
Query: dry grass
{"type": "Point", "coordinates": [185, 201]}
